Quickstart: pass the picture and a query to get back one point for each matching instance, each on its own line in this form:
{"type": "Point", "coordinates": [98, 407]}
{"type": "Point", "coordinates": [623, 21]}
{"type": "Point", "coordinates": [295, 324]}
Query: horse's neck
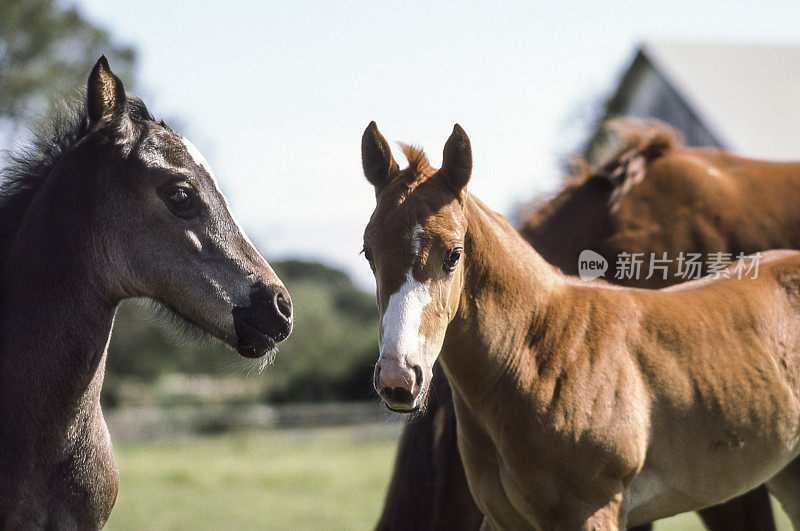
{"type": "Point", "coordinates": [54, 325]}
{"type": "Point", "coordinates": [507, 291]}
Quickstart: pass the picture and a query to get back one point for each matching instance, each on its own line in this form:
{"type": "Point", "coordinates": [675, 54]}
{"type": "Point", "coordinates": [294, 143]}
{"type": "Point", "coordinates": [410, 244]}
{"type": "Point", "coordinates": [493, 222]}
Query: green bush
{"type": "Point", "coordinates": [330, 354]}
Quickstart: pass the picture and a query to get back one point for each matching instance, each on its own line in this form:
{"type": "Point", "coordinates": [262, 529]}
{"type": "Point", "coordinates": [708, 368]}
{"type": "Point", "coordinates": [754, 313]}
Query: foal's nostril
{"type": "Point", "coordinates": [284, 306]}
{"type": "Point", "coordinates": [418, 374]}
{"type": "Point", "coordinates": [265, 320]}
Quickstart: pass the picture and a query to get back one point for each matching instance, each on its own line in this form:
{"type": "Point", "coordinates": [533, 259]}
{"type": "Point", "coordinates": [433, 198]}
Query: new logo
{"type": "Point", "coordinates": [591, 265]}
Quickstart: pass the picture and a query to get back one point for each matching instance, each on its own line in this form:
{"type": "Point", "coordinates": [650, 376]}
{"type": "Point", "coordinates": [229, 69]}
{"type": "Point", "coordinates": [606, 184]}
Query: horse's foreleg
{"type": "Point", "coordinates": [579, 514]}
{"type": "Point", "coordinates": [785, 486]}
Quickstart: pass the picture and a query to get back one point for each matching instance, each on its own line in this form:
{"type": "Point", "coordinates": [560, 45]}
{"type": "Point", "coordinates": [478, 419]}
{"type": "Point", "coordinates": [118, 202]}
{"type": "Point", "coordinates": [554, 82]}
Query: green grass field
{"type": "Point", "coordinates": [325, 478]}
{"type": "Point", "coordinates": [316, 478]}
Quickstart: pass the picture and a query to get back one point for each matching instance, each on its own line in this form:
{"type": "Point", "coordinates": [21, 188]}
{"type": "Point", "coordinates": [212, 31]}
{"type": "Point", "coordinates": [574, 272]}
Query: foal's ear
{"type": "Point", "coordinates": [105, 98]}
{"type": "Point", "coordinates": [376, 157]}
{"type": "Point", "coordinates": [457, 160]}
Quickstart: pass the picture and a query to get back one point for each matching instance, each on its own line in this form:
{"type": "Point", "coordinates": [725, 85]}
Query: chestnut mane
{"type": "Point", "coordinates": [418, 163]}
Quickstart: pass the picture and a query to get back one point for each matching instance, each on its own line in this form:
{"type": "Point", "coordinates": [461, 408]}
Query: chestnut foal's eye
{"type": "Point", "coordinates": [180, 199]}
{"type": "Point", "coordinates": [451, 260]}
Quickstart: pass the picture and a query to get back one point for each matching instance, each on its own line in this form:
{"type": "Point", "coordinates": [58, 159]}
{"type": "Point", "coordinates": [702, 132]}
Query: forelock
{"type": "Point", "coordinates": [418, 163]}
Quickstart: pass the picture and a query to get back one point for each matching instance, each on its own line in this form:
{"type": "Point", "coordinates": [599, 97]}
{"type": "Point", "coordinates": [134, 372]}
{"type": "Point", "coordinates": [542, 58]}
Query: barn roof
{"type": "Point", "coordinates": [746, 96]}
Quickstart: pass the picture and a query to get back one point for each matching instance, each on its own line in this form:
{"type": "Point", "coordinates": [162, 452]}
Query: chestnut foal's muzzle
{"type": "Point", "coordinates": [398, 384]}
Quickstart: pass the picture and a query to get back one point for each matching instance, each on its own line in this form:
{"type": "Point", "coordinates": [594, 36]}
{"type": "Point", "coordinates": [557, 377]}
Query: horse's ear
{"type": "Point", "coordinates": [457, 160]}
{"type": "Point", "coordinates": [376, 157]}
{"type": "Point", "coordinates": [105, 98]}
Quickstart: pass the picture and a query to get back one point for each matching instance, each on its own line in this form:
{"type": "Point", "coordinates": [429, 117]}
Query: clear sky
{"type": "Point", "coordinates": [277, 94]}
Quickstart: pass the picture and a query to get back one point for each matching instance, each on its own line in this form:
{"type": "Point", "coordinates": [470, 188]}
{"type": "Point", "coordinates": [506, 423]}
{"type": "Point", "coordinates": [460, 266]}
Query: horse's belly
{"type": "Point", "coordinates": [657, 494]}
{"type": "Point", "coordinates": [651, 498]}
{"type": "Point", "coordinates": [723, 447]}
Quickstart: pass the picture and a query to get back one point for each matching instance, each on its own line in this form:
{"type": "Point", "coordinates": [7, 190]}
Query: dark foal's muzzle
{"type": "Point", "coordinates": [264, 322]}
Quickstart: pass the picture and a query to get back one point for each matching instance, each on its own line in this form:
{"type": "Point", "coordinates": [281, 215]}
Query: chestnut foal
{"type": "Point", "coordinates": [578, 405]}
{"type": "Point", "coordinates": [653, 195]}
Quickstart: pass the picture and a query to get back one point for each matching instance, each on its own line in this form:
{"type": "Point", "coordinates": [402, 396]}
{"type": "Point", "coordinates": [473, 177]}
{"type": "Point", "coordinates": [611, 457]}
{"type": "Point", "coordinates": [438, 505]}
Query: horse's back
{"type": "Point", "coordinates": [702, 201]}
{"type": "Point", "coordinates": [725, 187]}
{"type": "Point", "coordinates": [756, 260]}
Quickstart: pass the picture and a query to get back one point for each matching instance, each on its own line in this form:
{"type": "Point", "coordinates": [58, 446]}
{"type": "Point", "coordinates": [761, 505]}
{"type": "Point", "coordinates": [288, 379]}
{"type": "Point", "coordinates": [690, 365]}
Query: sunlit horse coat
{"type": "Point", "coordinates": [613, 210]}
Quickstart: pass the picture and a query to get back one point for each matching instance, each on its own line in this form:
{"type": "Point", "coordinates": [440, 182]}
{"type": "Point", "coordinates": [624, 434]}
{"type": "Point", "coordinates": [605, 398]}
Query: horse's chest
{"type": "Point", "coordinates": [498, 496]}
{"type": "Point", "coordinates": [86, 475]}
{"type": "Point", "coordinates": [96, 473]}
{"type": "Point", "coordinates": [514, 492]}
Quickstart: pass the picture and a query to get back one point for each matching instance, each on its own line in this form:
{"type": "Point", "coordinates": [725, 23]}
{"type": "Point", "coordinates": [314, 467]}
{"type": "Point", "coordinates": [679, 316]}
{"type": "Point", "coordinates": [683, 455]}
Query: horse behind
{"type": "Point", "coordinates": [652, 196]}
{"type": "Point", "coordinates": [111, 204]}
{"type": "Point", "coordinates": [579, 405]}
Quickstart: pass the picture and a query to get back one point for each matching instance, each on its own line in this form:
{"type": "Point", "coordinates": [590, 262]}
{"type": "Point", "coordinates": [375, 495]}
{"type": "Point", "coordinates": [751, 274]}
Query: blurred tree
{"type": "Point", "coordinates": [47, 51]}
{"type": "Point", "coordinates": [334, 346]}
{"type": "Point", "coordinates": [330, 354]}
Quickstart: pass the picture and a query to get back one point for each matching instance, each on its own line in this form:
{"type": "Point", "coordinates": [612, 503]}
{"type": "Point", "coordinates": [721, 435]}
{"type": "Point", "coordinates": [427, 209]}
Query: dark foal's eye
{"type": "Point", "coordinates": [180, 199]}
{"type": "Point", "coordinates": [451, 260]}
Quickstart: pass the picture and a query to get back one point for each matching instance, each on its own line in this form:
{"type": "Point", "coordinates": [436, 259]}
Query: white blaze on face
{"type": "Point", "coordinates": [198, 157]}
{"type": "Point", "coordinates": [201, 161]}
{"type": "Point", "coordinates": [402, 320]}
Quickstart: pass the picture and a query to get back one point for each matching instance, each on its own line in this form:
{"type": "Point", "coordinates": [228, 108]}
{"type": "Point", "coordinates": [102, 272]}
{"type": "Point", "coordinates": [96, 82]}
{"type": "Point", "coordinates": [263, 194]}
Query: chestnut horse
{"type": "Point", "coordinates": [636, 202]}
{"type": "Point", "coordinates": [109, 205]}
{"type": "Point", "coordinates": [579, 405]}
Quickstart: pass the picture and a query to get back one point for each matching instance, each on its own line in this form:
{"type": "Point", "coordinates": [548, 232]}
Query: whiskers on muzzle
{"type": "Point", "coordinates": [165, 317]}
{"type": "Point", "coordinates": [252, 366]}
{"type": "Point", "coordinates": [409, 416]}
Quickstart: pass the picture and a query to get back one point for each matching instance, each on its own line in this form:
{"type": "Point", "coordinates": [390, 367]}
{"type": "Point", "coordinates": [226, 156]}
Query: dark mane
{"type": "Point", "coordinates": [638, 142]}
{"type": "Point", "coordinates": [29, 167]}
{"type": "Point", "coordinates": [646, 140]}
{"type": "Point", "coordinates": [418, 163]}
{"type": "Point", "coordinates": [628, 139]}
